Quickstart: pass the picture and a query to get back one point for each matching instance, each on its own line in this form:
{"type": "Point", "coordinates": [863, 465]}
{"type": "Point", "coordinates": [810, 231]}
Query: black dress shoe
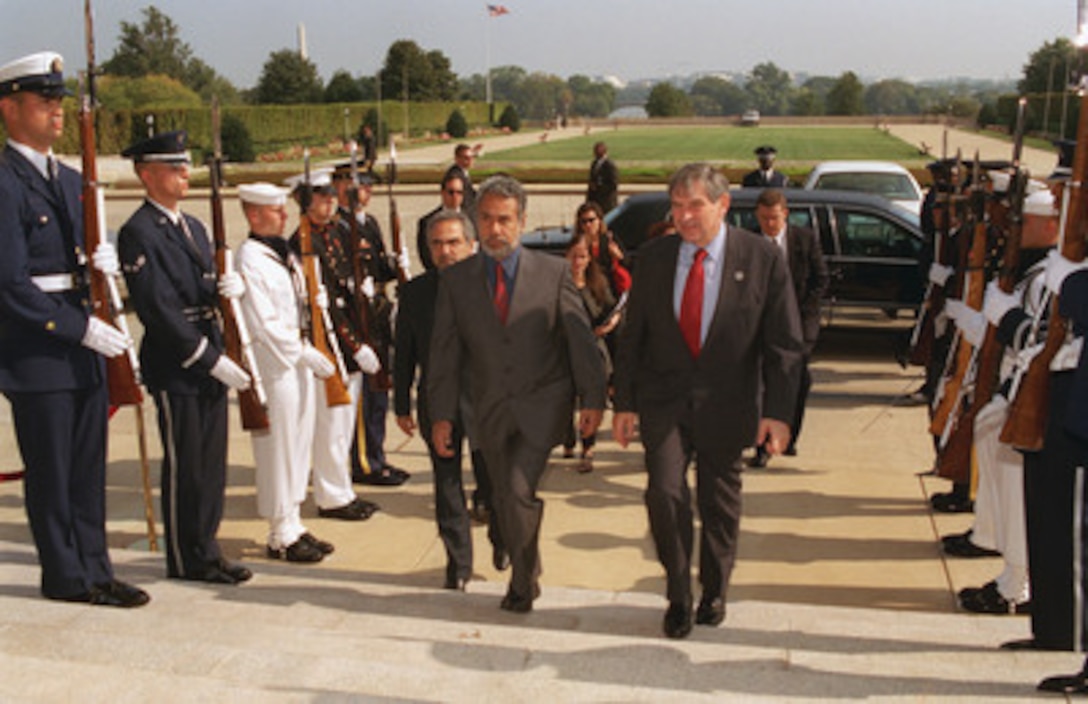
{"type": "Point", "coordinates": [117, 593]}
{"type": "Point", "coordinates": [961, 546]}
{"type": "Point", "coordinates": [355, 510]}
{"type": "Point", "coordinates": [760, 459]}
{"type": "Point", "coordinates": [480, 514]}
{"type": "Point", "coordinates": [677, 623]}
{"type": "Point", "coordinates": [1065, 684]}
{"type": "Point", "coordinates": [951, 502]}
{"type": "Point", "coordinates": [988, 600]}
{"type": "Point", "coordinates": [210, 573]}
{"type": "Point", "coordinates": [500, 559]}
{"type": "Point", "coordinates": [790, 451]}
{"type": "Point", "coordinates": [240, 573]}
{"type": "Point", "coordinates": [710, 613]}
{"type": "Point", "coordinates": [397, 472]}
{"type": "Point", "coordinates": [298, 551]}
{"type": "Point", "coordinates": [324, 546]}
{"type": "Point", "coordinates": [518, 603]}
{"type": "Point", "coordinates": [382, 477]}
{"type": "Point", "coordinates": [455, 583]}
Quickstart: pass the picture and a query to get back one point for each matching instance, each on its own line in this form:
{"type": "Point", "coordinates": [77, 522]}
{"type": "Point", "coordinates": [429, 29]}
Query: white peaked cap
{"type": "Point", "coordinates": [1040, 203]}
{"type": "Point", "coordinates": [262, 194]}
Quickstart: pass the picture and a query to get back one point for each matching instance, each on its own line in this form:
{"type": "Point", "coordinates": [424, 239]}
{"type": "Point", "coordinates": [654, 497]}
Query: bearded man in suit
{"type": "Point", "coordinates": [706, 371]}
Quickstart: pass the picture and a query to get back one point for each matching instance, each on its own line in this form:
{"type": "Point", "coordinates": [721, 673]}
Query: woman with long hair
{"type": "Point", "coordinates": [604, 249]}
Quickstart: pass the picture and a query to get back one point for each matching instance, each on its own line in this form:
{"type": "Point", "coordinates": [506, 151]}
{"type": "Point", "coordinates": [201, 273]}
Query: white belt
{"type": "Point", "coordinates": [54, 283]}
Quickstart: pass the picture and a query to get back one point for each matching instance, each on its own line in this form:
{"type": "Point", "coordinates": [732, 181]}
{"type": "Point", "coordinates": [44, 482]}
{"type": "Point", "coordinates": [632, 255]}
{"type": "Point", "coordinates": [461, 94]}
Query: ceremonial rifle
{"type": "Point", "coordinates": [1025, 428]}
{"type": "Point", "coordinates": [972, 289]}
{"type": "Point", "coordinates": [394, 216]}
{"type": "Point", "coordinates": [954, 458]}
{"type": "Point", "coordinates": [123, 370]}
{"type": "Point", "coordinates": [381, 380]}
{"type": "Point", "coordinates": [252, 401]}
{"type": "Point", "coordinates": [321, 329]}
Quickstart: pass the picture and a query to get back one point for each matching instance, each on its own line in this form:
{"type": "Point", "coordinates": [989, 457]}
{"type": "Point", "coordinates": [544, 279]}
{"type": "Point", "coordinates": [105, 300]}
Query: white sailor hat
{"type": "Point", "coordinates": [1040, 203]}
{"type": "Point", "coordinates": [262, 194]}
{"type": "Point", "coordinates": [320, 181]}
{"type": "Point", "coordinates": [1000, 181]}
{"type": "Point", "coordinates": [41, 73]}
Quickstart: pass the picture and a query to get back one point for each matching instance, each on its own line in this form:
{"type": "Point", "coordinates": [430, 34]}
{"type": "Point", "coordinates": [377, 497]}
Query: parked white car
{"type": "Point", "coordinates": [882, 178]}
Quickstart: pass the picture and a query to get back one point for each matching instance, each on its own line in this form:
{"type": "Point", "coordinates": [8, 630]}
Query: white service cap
{"type": "Point", "coordinates": [1040, 203]}
{"type": "Point", "coordinates": [262, 194]}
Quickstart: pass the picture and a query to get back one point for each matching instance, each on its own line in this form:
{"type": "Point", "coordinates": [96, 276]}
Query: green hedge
{"type": "Point", "coordinates": [271, 127]}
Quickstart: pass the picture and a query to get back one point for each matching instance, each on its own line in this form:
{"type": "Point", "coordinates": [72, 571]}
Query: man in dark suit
{"type": "Point", "coordinates": [51, 347]}
{"type": "Point", "coordinates": [604, 179]}
{"type": "Point", "coordinates": [510, 321]}
{"type": "Point", "coordinates": [808, 274]}
{"type": "Point", "coordinates": [169, 266]}
{"type": "Point", "coordinates": [463, 157]}
{"type": "Point", "coordinates": [705, 388]}
{"type": "Point", "coordinates": [452, 198]}
{"type": "Point", "coordinates": [451, 237]}
{"type": "Point", "coordinates": [765, 176]}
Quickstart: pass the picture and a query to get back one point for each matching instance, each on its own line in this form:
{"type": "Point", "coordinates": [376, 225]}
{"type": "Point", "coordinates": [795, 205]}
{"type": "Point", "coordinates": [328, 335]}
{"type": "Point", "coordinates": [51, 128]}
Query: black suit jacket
{"type": "Point", "coordinates": [421, 239]}
{"type": "Point", "coordinates": [808, 272]}
{"type": "Point", "coordinates": [756, 179]}
{"type": "Point", "coordinates": [603, 183]}
{"type": "Point", "coordinates": [40, 332]}
{"type": "Point", "coordinates": [415, 323]}
{"type": "Point", "coordinates": [172, 286]}
{"type": "Point", "coordinates": [750, 363]}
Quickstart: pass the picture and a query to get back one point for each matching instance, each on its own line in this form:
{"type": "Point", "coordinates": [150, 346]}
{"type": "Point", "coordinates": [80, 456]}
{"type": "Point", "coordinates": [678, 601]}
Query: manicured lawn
{"type": "Point", "coordinates": [718, 144]}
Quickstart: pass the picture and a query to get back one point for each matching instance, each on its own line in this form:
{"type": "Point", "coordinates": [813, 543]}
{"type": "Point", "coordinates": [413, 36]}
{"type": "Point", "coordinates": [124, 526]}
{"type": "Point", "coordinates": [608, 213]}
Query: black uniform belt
{"type": "Point", "coordinates": [55, 283]}
{"type": "Point", "coordinates": [194, 314]}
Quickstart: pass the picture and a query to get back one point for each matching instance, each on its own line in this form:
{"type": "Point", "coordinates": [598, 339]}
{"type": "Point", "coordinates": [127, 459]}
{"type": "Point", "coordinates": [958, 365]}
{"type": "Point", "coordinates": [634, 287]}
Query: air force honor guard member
{"type": "Point", "coordinates": [169, 266]}
{"type": "Point", "coordinates": [51, 348]}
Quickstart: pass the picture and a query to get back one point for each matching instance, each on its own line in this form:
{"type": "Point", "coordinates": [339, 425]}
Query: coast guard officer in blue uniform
{"type": "Point", "coordinates": [169, 266]}
{"type": "Point", "coordinates": [51, 348]}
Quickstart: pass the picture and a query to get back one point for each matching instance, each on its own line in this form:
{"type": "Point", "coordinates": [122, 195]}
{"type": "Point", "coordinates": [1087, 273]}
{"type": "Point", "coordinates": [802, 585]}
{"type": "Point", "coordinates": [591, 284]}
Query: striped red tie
{"type": "Point", "coordinates": [502, 298]}
{"type": "Point", "coordinates": [691, 305]}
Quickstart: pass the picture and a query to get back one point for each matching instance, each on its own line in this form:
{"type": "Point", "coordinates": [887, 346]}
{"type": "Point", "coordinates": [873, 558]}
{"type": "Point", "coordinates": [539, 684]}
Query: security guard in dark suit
{"type": "Point", "coordinates": [369, 465]}
{"type": "Point", "coordinates": [51, 348]}
{"type": "Point", "coordinates": [765, 176]}
{"type": "Point", "coordinates": [169, 266]}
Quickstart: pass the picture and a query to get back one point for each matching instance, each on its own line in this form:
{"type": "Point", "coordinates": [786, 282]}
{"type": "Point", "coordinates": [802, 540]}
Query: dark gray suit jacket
{"type": "Point", "coordinates": [525, 372]}
{"type": "Point", "coordinates": [809, 274]}
{"type": "Point", "coordinates": [750, 362]}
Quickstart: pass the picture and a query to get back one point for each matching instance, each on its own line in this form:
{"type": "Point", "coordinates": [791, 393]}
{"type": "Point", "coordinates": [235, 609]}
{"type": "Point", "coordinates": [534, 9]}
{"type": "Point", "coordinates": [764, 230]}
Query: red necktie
{"type": "Point", "coordinates": [691, 305]}
{"type": "Point", "coordinates": [502, 298]}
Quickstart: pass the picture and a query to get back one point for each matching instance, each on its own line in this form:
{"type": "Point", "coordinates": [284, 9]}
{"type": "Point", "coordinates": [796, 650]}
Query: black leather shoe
{"type": "Point", "coordinates": [212, 574]}
{"type": "Point", "coordinates": [324, 546]}
{"type": "Point", "coordinates": [988, 600]}
{"type": "Point", "coordinates": [117, 593]}
{"type": "Point", "coordinates": [240, 573]}
{"type": "Point", "coordinates": [677, 622]}
{"type": "Point", "coordinates": [960, 545]}
{"type": "Point", "coordinates": [480, 514]}
{"type": "Point", "coordinates": [397, 472]}
{"type": "Point", "coordinates": [298, 551]}
{"type": "Point", "coordinates": [500, 559]}
{"type": "Point", "coordinates": [517, 603]}
{"type": "Point", "coordinates": [790, 451]}
{"type": "Point", "coordinates": [455, 583]}
{"type": "Point", "coordinates": [1065, 684]}
{"type": "Point", "coordinates": [355, 510]}
{"type": "Point", "coordinates": [760, 459]}
{"type": "Point", "coordinates": [950, 502]}
{"type": "Point", "coordinates": [710, 613]}
{"type": "Point", "coordinates": [385, 476]}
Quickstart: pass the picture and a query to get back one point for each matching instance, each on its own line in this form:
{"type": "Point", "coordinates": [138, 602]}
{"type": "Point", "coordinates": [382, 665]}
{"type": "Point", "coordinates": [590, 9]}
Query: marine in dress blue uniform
{"type": "Point", "coordinates": [169, 267]}
{"type": "Point", "coordinates": [51, 365]}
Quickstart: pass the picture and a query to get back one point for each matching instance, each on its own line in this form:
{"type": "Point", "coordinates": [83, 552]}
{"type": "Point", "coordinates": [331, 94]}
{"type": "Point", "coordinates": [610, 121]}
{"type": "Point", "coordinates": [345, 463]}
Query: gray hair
{"type": "Point", "coordinates": [714, 181]}
{"type": "Point", "coordinates": [503, 186]}
{"type": "Point", "coordinates": [446, 215]}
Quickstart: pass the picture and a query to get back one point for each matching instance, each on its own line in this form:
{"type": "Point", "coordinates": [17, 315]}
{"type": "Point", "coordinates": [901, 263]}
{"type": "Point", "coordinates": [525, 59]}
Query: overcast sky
{"type": "Point", "coordinates": [627, 38]}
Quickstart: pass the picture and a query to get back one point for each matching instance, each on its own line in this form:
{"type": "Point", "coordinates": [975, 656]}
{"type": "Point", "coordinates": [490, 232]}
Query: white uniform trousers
{"type": "Point", "coordinates": [999, 501]}
{"type": "Point", "coordinates": [282, 454]}
{"type": "Point", "coordinates": [333, 434]}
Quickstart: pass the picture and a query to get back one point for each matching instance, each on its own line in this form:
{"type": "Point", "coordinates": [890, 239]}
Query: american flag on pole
{"type": "Point", "coordinates": [496, 10]}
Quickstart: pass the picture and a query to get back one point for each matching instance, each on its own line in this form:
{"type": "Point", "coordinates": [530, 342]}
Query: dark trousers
{"type": "Point", "coordinates": [62, 439]}
{"type": "Point", "coordinates": [802, 399]}
{"type": "Point", "coordinates": [481, 495]}
{"type": "Point", "coordinates": [373, 408]}
{"type": "Point", "coordinates": [515, 467]}
{"type": "Point", "coordinates": [1055, 496]}
{"type": "Point", "coordinates": [193, 430]}
{"type": "Point", "coordinates": [450, 510]}
{"type": "Point", "coordinates": [668, 501]}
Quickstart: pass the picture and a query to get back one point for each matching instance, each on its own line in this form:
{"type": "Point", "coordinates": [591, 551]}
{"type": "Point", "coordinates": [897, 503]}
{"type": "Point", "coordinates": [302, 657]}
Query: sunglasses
{"type": "Point", "coordinates": [586, 221]}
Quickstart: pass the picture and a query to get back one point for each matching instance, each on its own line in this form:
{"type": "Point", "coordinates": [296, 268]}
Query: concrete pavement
{"type": "Point", "coordinates": [840, 591]}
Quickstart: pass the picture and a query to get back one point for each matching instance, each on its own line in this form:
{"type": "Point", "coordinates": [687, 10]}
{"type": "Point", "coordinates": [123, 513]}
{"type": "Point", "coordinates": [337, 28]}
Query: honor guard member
{"type": "Point", "coordinates": [276, 311]}
{"type": "Point", "coordinates": [335, 428]}
{"type": "Point", "coordinates": [765, 176]}
{"type": "Point", "coordinates": [369, 465]}
{"type": "Point", "coordinates": [169, 266]}
{"type": "Point", "coordinates": [51, 348]}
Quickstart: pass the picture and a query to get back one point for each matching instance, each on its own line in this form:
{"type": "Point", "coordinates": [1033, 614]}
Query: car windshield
{"type": "Point", "coordinates": [891, 186]}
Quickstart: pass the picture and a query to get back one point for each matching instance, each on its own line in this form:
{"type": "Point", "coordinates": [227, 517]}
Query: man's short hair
{"type": "Point", "coordinates": [453, 176]}
{"type": "Point", "coordinates": [770, 197]}
{"type": "Point", "coordinates": [461, 149]}
{"type": "Point", "coordinates": [446, 215]}
{"type": "Point", "coordinates": [503, 186]}
{"type": "Point", "coordinates": [713, 180]}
